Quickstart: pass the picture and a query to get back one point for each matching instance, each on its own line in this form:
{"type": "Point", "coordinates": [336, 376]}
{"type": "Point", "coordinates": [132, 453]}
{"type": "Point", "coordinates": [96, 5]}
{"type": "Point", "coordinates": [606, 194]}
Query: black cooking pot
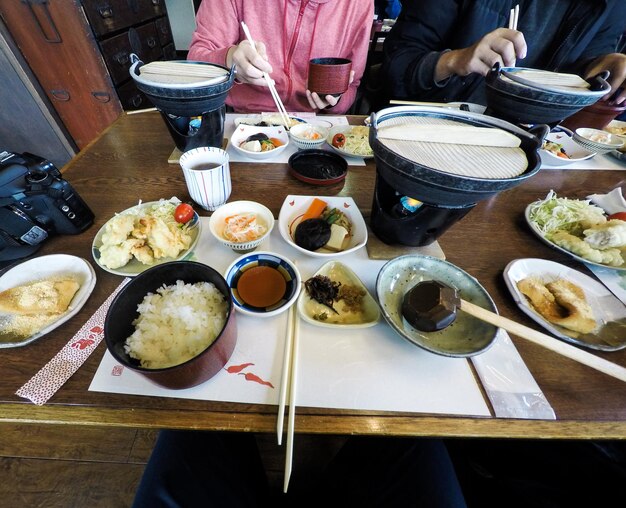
{"type": "Point", "coordinates": [518, 100]}
{"type": "Point", "coordinates": [436, 187]}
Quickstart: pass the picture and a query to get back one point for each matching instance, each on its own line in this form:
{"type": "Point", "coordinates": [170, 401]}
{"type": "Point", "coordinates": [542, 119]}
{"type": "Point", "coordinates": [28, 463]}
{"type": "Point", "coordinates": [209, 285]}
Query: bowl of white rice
{"type": "Point", "coordinates": [174, 324]}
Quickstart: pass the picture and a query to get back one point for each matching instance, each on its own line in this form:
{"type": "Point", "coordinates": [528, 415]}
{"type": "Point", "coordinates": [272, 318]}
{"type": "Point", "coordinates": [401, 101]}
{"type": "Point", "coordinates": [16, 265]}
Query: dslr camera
{"type": "Point", "coordinates": [36, 202]}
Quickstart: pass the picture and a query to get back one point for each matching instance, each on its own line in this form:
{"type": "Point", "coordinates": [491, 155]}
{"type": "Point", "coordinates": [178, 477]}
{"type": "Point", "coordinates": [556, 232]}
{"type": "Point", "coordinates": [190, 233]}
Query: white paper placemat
{"type": "Point", "coordinates": [366, 369]}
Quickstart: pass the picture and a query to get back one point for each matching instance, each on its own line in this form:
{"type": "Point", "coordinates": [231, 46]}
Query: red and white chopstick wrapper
{"type": "Point", "coordinates": [57, 371]}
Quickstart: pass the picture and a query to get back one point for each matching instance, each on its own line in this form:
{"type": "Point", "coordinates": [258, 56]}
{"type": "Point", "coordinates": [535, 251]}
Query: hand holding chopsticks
{"type": "Point", "coordinates": [270, 83]}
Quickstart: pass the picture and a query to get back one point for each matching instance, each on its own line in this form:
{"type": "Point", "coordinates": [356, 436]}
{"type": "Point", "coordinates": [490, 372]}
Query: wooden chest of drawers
{"type": "Point", "coordinates": [80, 52]}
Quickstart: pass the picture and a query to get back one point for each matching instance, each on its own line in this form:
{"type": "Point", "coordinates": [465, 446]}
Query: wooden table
{"type": "Point", "coordinates": [129, 162]}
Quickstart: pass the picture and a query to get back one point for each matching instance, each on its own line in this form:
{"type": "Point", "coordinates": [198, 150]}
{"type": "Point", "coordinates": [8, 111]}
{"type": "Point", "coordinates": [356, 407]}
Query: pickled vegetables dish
{"type": "Point", "coordinates": [243, 227]}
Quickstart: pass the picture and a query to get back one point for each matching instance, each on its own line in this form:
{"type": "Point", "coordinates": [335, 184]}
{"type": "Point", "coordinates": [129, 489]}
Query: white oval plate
{"type": "Point", "coordinates": [536, 230]}
{"type": "Point", "coordinates": [43, 267]}
{"type": "Point", "coordinates": [294, 206]}
{"type": "Point", "coordinates": [606, 307]}
{"type": "Point", "coordinates": [134, 267]}
{"type": "Point", "coordinates": [344, 129]}
{"type": "Point", "coordinates": [338, 272]}
{"type": "Point", "coordinates": [242, 132]}
{"type": "Point", "coordinates": [575, 151]}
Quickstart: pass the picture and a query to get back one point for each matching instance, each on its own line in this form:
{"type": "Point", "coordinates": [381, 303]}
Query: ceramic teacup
{"type": "Point", "coordinates": [207, 174]}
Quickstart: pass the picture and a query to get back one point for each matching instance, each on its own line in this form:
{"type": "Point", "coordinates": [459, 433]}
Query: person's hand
{"type": "Point", "coordinates": [502, 46]}
{"type": "Point", "coordinates": [317, 102]}
{"type": "Point", "coordinates": [615, 63]}
{"type": "Point", "coordinates": [251, 63]}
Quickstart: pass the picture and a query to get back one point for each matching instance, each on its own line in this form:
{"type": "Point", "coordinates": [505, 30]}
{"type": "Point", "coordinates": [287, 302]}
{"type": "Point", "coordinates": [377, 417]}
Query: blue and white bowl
{"type": "Point", "coordinates": [263, 258]}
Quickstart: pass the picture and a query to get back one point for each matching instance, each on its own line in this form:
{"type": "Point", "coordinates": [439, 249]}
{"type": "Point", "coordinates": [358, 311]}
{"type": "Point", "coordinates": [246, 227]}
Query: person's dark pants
{"type": "Point", "coordinates": [189, 469]}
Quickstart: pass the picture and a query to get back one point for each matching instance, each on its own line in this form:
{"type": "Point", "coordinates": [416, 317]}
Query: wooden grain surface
{"type": "Point", "coordinates": [129, 162]}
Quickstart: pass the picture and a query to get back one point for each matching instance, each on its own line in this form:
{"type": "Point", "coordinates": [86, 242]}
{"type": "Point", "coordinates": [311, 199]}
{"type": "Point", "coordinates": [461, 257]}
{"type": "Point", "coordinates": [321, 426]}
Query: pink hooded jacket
{"type": "Point", "coordinates": [294, 31]}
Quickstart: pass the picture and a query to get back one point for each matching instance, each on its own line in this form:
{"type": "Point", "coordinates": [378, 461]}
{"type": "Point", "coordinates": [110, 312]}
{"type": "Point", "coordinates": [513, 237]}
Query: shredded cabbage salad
{"type": "Point", "coordinates": [554, 213]}
{"type": "Point", "coordinates": [163, 210]}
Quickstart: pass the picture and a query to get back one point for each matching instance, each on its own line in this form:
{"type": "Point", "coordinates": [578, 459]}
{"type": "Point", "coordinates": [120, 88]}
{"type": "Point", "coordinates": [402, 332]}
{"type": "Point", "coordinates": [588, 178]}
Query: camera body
{"type": "Point", "coordinates": [36, 202]}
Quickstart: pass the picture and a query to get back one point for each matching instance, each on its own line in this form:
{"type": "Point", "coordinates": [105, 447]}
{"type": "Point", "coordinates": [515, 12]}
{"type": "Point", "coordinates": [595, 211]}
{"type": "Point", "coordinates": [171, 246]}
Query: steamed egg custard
{"type": "Point", "coordinates": [454, 147]}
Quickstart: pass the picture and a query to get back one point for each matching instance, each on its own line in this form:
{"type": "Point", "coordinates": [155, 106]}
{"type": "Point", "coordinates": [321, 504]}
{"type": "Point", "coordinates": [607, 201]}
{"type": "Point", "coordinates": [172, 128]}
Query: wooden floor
{"type": "Point", "coordinates": [70, 466]}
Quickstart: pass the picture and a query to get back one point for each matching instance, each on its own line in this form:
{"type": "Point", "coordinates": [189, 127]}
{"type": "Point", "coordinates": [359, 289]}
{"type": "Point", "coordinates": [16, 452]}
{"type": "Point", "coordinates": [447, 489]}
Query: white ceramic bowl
{"type": "Point", "coordinates": [298, 134]}
{"type": "Point", "coordinates": [242, 132]}
{"type": "Point", "coordinates": [575, 151]}
{"type": "Point", "coordinates": [583, 137]}
{"type": "Point", "coordinates": [294, 206]}
{"type": "Point", "coordinates": [263, 258]}
{"type": "Point", "coordinates": [618, 128]}
{"type": "Point", "coordinates": [217, 223]}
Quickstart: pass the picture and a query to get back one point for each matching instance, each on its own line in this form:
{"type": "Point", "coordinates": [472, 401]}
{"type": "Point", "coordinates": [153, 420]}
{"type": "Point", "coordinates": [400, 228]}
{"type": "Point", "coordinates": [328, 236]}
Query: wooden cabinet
{"type": "Point", "coordinates": [80, 54]}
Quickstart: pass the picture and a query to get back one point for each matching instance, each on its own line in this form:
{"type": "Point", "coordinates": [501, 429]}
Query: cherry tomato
{"type": "Point", "coordinates": [618, 216]}
{"type": "Point", "coordinates": [339, 140]}
{"type": "Point", "coordinates": [183, 213]}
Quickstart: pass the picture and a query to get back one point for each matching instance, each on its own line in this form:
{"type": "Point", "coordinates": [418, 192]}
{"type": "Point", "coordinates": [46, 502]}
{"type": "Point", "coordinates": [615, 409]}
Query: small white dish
{"type": "Point", "coordinates": [242, 132]}
{"type": "Point", "coordinates": [575, 151]}
{"type": "Point", "coordinates": [294, 206]}
{"type": "Point", "coordinates": [134, 267]}
{"type": "Point", "coordinates": [597, 140]}
{"type": "Point", "coordinates": [44, 267]}
{"type": "Point", "coordinates": [348, 151]}
{"type": "Point", "coordinates": [609, 312]}
{"type": "Point", "coordinates": [541, 236]}
{"type": "Point", "coordinates": [618, 128]}
{"type": "Point", "coordinates": [217, 223]}
{"type": "Point", "coordinates": [301, 135]}
{"type": "Point", "coordinates": [338, 272]}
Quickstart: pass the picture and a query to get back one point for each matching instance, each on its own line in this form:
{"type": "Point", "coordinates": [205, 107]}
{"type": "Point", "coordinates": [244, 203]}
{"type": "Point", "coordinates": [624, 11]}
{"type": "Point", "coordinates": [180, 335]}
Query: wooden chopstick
{"type": "Point", "coordinates": [513, 19]}
{"type": "Point", "coordinates": [270, 83]}
{"type": "Point", "coordinates": [292, 401]}
{"type": "Point", "coordinates": [284, 383]}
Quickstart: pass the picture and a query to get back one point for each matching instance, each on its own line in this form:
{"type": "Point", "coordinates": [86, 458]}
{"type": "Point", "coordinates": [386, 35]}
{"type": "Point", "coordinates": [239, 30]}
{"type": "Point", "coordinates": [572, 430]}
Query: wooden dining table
{"type": "Point", "coordinates": [129, 162]}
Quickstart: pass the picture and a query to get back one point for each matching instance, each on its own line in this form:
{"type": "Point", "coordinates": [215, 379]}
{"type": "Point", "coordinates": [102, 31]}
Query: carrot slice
{"type": "Point", "coordinates": [315, 209]}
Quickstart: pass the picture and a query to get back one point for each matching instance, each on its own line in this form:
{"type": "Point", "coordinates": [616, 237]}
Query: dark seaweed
{"type": "Point", "coordinates": [257, 137]}
{"type": "Point", "coordinates": [312, 234]}
{"type": "Point", "coordinates": [323, 290]}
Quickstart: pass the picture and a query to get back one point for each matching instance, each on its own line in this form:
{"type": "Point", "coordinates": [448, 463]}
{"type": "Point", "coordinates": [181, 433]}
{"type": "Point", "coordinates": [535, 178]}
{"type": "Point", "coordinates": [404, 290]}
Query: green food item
{"type": "Point", "coordinates": [571, 215]}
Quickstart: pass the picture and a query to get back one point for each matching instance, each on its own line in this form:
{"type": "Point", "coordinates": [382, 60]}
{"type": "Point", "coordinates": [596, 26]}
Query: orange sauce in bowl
{"type": "Point", "coordinates": [261, 286]}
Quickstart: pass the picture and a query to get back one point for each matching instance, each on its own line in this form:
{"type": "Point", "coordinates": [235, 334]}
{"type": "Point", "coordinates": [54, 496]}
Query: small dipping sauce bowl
{"type": "Point", "coordinates": [263, 284]}
{"type": "Point", "coordinates": [318, 167]}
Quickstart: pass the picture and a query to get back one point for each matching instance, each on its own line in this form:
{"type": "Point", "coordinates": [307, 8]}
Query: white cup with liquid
{"type": "Point", "coordinates": [207, 174]}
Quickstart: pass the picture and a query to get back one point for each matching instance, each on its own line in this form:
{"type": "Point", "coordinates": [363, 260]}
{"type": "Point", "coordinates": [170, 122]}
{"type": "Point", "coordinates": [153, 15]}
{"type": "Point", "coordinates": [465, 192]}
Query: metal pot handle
{"type": "Point", "coordinates": [540, 131]}
{"type": "Point", "coordinates": [136, 63]}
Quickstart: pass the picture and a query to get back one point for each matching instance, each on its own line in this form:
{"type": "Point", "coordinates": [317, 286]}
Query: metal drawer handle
{"type": "Point", "coordinates": [60, 95]}
{"type": "Point", "coordinates": [102, 97]}
{"type": "Point", "coordinates": [121, 58]}
{"type": "Point", "coordinates": [137, 100]}
{"type": "Point", "coordinates": [151, 41]}
{"type": "Point", "coordinates": [56, 37]}
{"type": "Point", "coordinates": [105, 11]}
{"type": "Point", "coordinates": [156, 2]}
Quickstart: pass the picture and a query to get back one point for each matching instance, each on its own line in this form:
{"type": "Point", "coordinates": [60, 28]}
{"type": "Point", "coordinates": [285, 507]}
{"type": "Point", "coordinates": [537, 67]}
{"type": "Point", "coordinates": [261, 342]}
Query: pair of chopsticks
{"type": "Point", "coordinates": [513, 19]}
{"type": "Point", "coordinates": [289, 383]}
{"type": "Point", "coordinates": [279, 104]}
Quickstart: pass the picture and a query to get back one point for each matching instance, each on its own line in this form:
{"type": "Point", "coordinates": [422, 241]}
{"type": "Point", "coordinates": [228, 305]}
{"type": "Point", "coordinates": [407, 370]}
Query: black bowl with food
{"type": "Point", "coordinates": [318, 167]}
{"type": "Point", "coordinates": [182, 334]}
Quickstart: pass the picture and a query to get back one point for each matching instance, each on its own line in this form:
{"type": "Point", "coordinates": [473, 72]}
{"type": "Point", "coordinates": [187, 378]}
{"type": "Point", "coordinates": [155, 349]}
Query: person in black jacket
{"type": "Point", "coordinates": [440, 50]}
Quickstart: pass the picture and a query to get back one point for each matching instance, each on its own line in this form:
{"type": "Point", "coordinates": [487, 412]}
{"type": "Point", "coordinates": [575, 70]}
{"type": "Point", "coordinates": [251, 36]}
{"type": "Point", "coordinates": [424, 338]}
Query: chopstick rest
{"type": "Point", "coordinates": [43, 385]}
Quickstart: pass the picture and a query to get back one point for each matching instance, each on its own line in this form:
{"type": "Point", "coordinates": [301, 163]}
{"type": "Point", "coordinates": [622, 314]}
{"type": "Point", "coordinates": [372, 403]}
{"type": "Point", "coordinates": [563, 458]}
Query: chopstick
{"type": "Point", "coordinates": [292, 400]}
{"type": "Point", "coordinates": [285, 379]}
{"type": "Point", "coordinates": [513, 19]}
{"type": "Point", "coordinates": [279, 104]}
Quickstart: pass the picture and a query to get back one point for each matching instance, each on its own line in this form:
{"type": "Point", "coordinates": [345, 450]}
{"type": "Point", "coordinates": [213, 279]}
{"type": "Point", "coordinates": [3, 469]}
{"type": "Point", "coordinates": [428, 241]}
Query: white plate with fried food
{"type": "Point", "coordinates": [351, 141]}
{"type": "Point", "coordinates": [568, 303]}
{"type": "Point", "coordinates": [38, 295]}
{"type": "Point", "coordinates": [143, 236]}
{"type": "Point", "coordinates": [579, 229]}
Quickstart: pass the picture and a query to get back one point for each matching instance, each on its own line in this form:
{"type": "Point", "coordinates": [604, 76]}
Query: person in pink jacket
{"type": "Point", "coordinates": [287, 34]}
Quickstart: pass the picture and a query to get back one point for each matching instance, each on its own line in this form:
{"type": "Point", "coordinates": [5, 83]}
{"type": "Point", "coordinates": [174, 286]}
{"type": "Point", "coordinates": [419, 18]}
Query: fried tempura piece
{"type": "Point", "coordinates": [572, 297]}
{"type": "Point", "coordinates": [540, 298]}
{"type": "Point", "coordinates": [165, 242]}
{"type": "Point", "coordinates": [118, 229]}
{"type": "Point", "coordinates": [611, 257]}
{"type": "Point", "coordinates": [115, 256]}
{"type": "Point", "coordinates": [608, 235]}
{"type": "Point", "coordinates": [561, 302]}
